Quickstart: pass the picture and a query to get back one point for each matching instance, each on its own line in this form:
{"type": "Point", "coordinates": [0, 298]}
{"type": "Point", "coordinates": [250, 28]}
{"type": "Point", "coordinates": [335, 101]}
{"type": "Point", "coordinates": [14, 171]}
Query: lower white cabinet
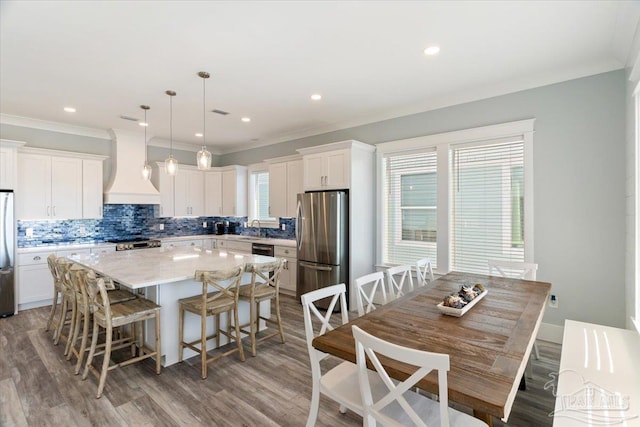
{"type": "Point", "coordinates": [232, 245]}
{"type": "Point", "coordinates": [35, 283]}
{"type": "Point", "coordinates": [182, 243]}
{"type": "Point", "coordinates": [289, 275]}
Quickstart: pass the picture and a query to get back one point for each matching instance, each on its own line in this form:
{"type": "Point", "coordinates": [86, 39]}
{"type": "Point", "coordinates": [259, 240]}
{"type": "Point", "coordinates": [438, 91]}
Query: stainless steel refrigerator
{"type": "Point", "coordinates": [7, 275]}
{"type": "Point", "coordinates": [323, 241]}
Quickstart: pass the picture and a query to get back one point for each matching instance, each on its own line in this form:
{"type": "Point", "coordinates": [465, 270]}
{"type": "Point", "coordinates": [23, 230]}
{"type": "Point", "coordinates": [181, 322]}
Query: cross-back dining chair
{"type": "Point", "coordinates": [400, 281]}
{"type": "Point", "coordinates": [424, 272]}
{"type": "Point", "coordinates": [397, 405]}
{"type": "Point", "coordinates": [369, 292]}
{"type": "Point", "coordinates": [340, 383]}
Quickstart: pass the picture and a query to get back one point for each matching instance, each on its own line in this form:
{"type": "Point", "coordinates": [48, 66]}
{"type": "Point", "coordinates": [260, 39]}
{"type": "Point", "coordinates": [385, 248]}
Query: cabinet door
{"type": "Point", "coordinates": [229, 189]}
{"type": "Point", "coordinates": [213, 193]}
{"type": "Point", "coordinates": [294, 186]}
{"type": "Point", "coordinates": [278, 190]}
{"type": "Point", "coordinates": [92, 189]}
{"type": "Point", "coordinates": [35, 283]}
{"type": "Point", "coordinates": [180, 194]}
{"type": "Point", "coordinates": [337, 169]}
{"type": "Point", "coordinates": [66, 188]}
{"type": "Point", "coordinates": [313, 171]}
{"type": "Point", "coordinates": [7, 168]}
{"type": "Point", "coordinates": [195, 191]}
{"type": "Point", "coordinates": [34, 180]}
{"type": "Point", "coordinates": [166, 189]}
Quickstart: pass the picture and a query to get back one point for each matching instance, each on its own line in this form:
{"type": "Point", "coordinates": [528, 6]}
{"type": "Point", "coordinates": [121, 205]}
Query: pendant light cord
{"type": "Point", "coordinates": [171, 125]}
{"type": "Point", "coordinates": [145, 136]}
{"type": "Point", "coordinates": [204, 110]}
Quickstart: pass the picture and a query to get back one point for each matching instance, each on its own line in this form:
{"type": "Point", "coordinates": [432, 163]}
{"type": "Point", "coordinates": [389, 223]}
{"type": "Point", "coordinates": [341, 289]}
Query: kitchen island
{"type": "Point", "coordinates": [165, 275]}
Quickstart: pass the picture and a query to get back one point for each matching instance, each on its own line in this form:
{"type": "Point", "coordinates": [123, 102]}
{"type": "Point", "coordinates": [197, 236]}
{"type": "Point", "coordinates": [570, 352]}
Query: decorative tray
{"type": "Point", "coordinates": [459, 312]}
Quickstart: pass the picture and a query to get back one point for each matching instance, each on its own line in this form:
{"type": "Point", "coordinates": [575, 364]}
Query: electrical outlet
{"type": "Point", "coordinates": [284, 227]}
{"type": "Point", "coordinates": [160, 227]}
{"type": "Point", "coordinates": [553, 301]}
{"type": "Point", "coordinates": [204, 224]}
{"type": "Point", "coordinates": [29, 232]}
{"type": "Point", "coordinates": [82, 231]}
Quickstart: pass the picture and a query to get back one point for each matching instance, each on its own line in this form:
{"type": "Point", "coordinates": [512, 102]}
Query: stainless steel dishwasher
{"type": "Point", "coordinates": [262, 249]}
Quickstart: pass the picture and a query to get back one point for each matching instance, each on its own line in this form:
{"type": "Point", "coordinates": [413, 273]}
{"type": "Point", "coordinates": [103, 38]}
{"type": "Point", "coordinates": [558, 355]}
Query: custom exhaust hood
{"type": "Point", "coordinates": [127, 185]}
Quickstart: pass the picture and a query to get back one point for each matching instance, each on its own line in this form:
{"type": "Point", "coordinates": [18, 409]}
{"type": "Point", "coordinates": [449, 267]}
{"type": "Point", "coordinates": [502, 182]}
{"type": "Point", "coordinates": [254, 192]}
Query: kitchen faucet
{"type": "Point", "coordinates": [259, 226]}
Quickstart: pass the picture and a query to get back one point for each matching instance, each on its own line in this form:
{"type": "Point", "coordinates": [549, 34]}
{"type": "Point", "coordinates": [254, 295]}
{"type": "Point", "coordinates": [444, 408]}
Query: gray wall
{"type": "Point", "coordinates": [579, 183]}
{"type": "Point", "coordinates": [630, 217]}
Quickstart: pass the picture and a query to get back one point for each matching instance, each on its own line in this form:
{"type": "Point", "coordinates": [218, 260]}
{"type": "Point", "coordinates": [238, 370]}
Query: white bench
{"type": "Point", "coordinates": [599, 378]}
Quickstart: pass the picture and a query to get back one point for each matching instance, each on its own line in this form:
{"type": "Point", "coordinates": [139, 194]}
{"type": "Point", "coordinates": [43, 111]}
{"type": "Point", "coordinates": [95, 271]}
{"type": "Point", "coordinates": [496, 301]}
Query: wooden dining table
{"type": "Point", "coordinates": [489, 346]}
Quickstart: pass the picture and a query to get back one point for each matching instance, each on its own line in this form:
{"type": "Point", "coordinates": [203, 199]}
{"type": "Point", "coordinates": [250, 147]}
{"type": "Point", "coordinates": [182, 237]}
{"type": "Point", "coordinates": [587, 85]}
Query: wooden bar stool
{"type": "Point", "coordinates": [68, 303]}
{"type": "Point", "coordinates": [108, 317]}
{"type": "Point", "coordinates": [57, 289]}
{"type": "Point", "coordinates": [264, 286]}
{"type": "Point", "coordinates": [224, 299]}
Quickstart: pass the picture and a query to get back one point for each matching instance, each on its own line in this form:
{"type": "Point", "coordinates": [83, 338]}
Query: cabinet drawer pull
{"type": "Point", "coordinates": [48, 210]}
{"type": "Point", "coordinates": [37, 258]}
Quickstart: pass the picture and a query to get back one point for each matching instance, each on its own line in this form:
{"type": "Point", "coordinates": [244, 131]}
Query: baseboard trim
{"type": "Point", "coordinates": [551, 333]}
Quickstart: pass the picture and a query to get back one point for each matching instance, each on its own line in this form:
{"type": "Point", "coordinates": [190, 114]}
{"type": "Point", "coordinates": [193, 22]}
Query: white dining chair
{"type": "Point", "coordinates": [340, 383]}
{"type": "Point", "coordinates": [397, 405]}
{"type": "Point", "coordinates": [369, 292]}
{"type": "Point", "coordinates": [400, 281]}
{"type": "Point", "coordinates": [517, 270]}
{"type": "Point", "coordinates": [424, 272]}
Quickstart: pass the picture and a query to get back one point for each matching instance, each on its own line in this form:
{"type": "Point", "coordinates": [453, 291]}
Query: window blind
{"type": "Point", "coordinates": [487, 198]}
{"type": "Point", "coordinates": [410, 201]}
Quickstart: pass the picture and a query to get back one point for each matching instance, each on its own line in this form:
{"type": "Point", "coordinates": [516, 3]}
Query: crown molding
{"type": "Point", "coordinates": [183, 146]}
{"type": "Point", "coordinates": [29, 122]}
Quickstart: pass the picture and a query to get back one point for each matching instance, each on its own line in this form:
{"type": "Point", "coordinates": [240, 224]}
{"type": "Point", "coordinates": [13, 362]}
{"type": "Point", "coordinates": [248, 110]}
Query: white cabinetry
{"type": "Point", "coordinates": [213, 193]}
{"type": "Point", "coordinates": [233, 245]}
{"type": "Point", "coordinates": [189, 192]}
{"type": "Point", "coordinates": [234, 191]}
{"type": "Point", "coordinates": [35, 283]}
{"type": "Point", "coordinates": [288, 277]}
{"type": "Point", "coordinates": [164, 185]}
{"type": "Point", "coordinates": [92, 188]}
{"type": "Point", "coordinates": [348, 165]}
{"type": "Point", "coordinates": [182, 243]}
{"type": "Point", "coordinates": [53, 187]}
{"type": "Point", "coordinates": [8, 163]}
{"type": "Point", "coordinates": [285, 182]}
{"type": "Point", "coordinates": [326, 170]}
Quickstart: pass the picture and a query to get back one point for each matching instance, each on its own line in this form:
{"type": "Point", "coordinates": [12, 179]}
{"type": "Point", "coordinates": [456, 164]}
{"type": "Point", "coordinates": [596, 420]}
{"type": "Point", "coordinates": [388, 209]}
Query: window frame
{"type": "Point", "coordinates": [442, 143]}
{"type": "Point", "coordinates": [252, 170]}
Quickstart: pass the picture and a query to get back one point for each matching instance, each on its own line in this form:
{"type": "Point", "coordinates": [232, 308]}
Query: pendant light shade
{"type": "Point", "coordinates": [203, 158]}
{"type": "Point", "coordinates": [146, 168]}
{"type": "Point", "coordinates": [171, 164]}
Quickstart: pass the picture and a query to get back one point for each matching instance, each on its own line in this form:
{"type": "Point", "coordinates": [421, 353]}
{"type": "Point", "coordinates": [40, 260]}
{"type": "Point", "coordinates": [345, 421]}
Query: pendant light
{"type": "Point", "coordinates": [146, 169]}
{"type": "Point", "coordinates": [203, 158]}
{"type": "Point", "coordinates": [171, 164]}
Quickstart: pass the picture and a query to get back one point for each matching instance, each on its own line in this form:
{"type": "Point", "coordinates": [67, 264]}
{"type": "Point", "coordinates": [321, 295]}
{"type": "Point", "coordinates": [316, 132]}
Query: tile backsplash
{"type": "Point", "coordinates": [134, 221]}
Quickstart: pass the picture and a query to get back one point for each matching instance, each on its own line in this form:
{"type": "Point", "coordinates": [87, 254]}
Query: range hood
{"type": "Point", "coordinates": [126, 185]}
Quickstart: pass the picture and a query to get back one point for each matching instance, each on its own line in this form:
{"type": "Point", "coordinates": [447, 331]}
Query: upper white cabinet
{"type": "Point", "coordinates": [92, 182]}
{"type": "Point", "coordinates": [213, 193]}
{"type": "Point", "coordinates": [52, 184]}
{"type": "Point", "coordinates": [234, 191]}
{"type": "Point", "coordinates": [165, 186]}
{"type": "Point", "coordinates": [8, 163]}
{"type": "Point", "coordinates": [326, 170]}
{"type": "Point", "coordinates": [189, 192]}
{"type": "Point", "coordinates": [285, 182]}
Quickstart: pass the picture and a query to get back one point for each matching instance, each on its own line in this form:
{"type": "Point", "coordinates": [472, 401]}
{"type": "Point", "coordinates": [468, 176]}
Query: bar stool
{"type": "Point", "coordinates": [264, 286]}
{"type": "Point", "coordinates": [108, 317]}
{"type": "Point", "coordinates": [224, 299]}
{"type": "Point", "coordinates": [51, 262]}
{"type": "Point", "coordinates": [68, 303]}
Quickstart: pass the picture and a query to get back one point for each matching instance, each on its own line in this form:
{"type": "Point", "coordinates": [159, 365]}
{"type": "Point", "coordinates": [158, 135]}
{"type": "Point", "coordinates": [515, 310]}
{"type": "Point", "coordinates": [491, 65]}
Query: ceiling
{"type": "Point", "coordinates": [266, 59]}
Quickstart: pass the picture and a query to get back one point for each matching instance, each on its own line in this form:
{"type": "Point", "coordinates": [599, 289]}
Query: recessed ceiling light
{"type": "Point", "coordinates": [69, 109]}
{"type": "Point", "coordinates": [316, 97]}
{"type": "Point", "coordinates": [432, 50]}
{"type": "Point", "coordinates": [199, 135]}
{"type": "Point", "coordinates": [143, 124]}
{"type": "Point", "coordinates": [246, 119]}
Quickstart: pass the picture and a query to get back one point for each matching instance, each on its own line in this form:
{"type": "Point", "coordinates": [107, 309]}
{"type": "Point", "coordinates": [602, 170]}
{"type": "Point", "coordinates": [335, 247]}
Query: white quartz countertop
{"type": "Point", "coordinates": [155, 266]}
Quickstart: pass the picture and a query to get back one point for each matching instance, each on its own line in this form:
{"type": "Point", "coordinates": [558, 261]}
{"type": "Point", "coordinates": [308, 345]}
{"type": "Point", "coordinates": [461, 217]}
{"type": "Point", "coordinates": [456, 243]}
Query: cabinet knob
{"type": "Point", "coordinates": [37, 258]}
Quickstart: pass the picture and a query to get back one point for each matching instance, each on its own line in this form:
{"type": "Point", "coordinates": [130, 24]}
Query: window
{"type": "Point", "coordinates": [410, 198]}
{"type": "Point", "coordinates": [460, 198]}
{"type": "Point", "coordinates": [259, 196]}
{"type": "Point", "coordinates": [487, 204]}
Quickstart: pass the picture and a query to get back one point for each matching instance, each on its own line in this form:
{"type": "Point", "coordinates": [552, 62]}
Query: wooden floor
{"type": "Point", "coordinates": [38, 388]}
